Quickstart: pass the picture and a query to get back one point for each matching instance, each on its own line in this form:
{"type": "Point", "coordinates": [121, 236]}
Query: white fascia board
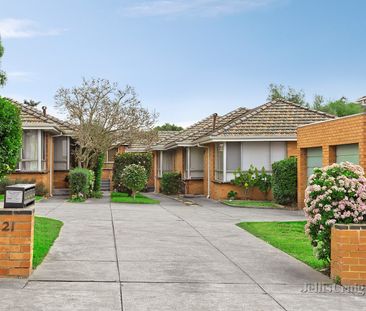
{"type": "Point", "coordinates": [44, 128]}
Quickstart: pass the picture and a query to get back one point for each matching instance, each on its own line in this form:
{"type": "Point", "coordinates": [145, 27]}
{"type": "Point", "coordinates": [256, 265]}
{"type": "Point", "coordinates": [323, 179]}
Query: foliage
{"type": "Point", "coordinates": [288, 237]}
{"type": "Point", "coordinates": [341, 107]}
{"type": "Point", "coordinates": [251, 203]}
{"type": "Point", "coordinates": [336, 194]}
{"type": "Point", "coordinates": [168, 127]}
{"type": "Point", "coordinates": [284, 181]}
{"type": "Point", "coordinates": [171, 183]}
{"type": "Point", "coordinates": [124, 159]}
{"type": "Point", "coordinates": [97, 194]}
{"type": "Point", "coordinates": [231, 195]}
{"type": "Point", "coordinates": [102, 114]}
{"type": "Point", "coordinates": [98, 169]}
{"type": "Point", "coordinates": [279, 91]}
{"type": "Point", "coordinates": [134, 177]}
{"type": "Point", "coordinates": [246, 179]}
{"type": "Point", "coordinates": [10, 136]}
{"type": "Point", "coordinates": [81, 183]}
{"type": "Point", "coordinates": [31, 103]}
{"type": "Point", "coordinates": [46, 231]}
{"type": "Point", "coordinates": [2, 73]}
{"type": "Point", "coordinates": [264, 182]}
{"type": "Point", "coordinates": [41, 189]}
{"type": "Point", "coordinates": [123, 197]}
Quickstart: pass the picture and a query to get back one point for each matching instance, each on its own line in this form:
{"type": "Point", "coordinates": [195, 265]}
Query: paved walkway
{"type": "Point", "coordinates": [166, 257]}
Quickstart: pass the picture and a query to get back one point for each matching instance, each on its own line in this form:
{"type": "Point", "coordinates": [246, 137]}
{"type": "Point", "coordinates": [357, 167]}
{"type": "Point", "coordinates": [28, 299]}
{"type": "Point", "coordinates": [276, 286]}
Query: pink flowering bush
{"type": "Point", "coordinates": [336, 194]}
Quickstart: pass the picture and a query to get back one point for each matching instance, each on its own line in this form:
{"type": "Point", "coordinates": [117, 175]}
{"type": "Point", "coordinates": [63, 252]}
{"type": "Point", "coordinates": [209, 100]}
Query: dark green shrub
{"type": "Point", "coordinates": [231, 195]}
{"type": "Point", "coordinates": [4, 182]}
{"type": "Point", "coordinates": [98, 169]}
{"type": "Point", "coordinates": [122, 160]}
{"type": "Point", "coordinates": [81, 181]}
{"type": "Point", "coordinates": [134, 178]}
{"type": "Point", "coordinates": [10, 136]}
{"type": "Point", "coordinates": [171, 183]}
{"type": "Point", "coordinates": [284, 181]}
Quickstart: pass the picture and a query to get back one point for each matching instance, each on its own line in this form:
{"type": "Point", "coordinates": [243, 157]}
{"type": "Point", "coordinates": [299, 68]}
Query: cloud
{"type": "Point", "coordinates": [192, 7]}
{"type": "Point", "coordinates": [24, 28]}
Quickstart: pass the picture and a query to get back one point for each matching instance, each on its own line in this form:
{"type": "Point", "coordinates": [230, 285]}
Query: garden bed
{"type": "Point", "coordinates": [289, 237]}
{"type": "Point", "coordinates": [251, 204]}
{"type": "Point", "coordinates": [122, 197]}
{"type": "Point", "coordinates": [46, 231]}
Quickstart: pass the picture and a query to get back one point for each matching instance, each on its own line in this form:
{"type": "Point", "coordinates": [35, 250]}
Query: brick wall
{"type": "Point", "coordinates": [347, 130]}
{"type": "Point", "coordinates": [16, 242]}
{"type": "Point", "coordinates": [348, 254]}
{"type": "Point", "coordinates": [194, 186]}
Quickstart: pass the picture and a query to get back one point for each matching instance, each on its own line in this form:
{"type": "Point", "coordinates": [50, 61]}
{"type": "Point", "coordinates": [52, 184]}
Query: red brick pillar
{"type": "Point", "coordinates": [16, 242]}
{"type": "Point", "coordinates": [348, 253]}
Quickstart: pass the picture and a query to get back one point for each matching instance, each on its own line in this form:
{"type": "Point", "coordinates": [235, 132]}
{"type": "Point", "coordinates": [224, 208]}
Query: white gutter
{"type": "Point", "coordinates": [208, 170]}
{"type": "Point", "coordinates": [206, 140]}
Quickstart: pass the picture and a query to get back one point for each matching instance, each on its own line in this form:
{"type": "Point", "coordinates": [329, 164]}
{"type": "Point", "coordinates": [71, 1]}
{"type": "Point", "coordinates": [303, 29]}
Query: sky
{"type": "Point", "coordinates": [186, 59]}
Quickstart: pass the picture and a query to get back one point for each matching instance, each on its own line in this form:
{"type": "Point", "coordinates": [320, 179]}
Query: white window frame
{"type": "Point", "coordinates": [187, 168]}
{"type": "Point", "coordinates": [67, 155]}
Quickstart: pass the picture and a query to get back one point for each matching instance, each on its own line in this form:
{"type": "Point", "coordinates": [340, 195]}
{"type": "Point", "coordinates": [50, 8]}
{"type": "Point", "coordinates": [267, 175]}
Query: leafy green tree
{"type": "Point", "coordinates": [341, 107]}
{"type": "Point", "coordinates": [134, 178]}
{"type": "Point", "coordinates": [2, 73]}
{"type": "Point", "coordinates": [169, 127]}
{"type": "Point", "coordinates": [10, 136]}
{"type": "Point", "coordinates": [279, 91]}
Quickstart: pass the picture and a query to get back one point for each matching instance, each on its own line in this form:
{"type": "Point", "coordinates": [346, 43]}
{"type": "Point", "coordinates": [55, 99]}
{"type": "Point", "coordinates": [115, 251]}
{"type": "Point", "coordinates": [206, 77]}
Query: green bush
{"type": "Point", "coordinates": [231, 195]}
{"type": "Point", "coordinates": [264, 182]}
{"type": "Point", "coordinates": [81, 181]}
{"type": "Point", "coordinates": [10, 136]}
{"type": "Point", "coordinates": [98, 169]}
{"type": "Point", "coordinates": [124, 159]}
{"type": "Point", "coordinates": [284, 181]}
{"type": "Point", "coordinates": [134, 178]}
{"type": "Point", "coordinates": [171, 183]}
{"type": "Point", "coordinates": [246, 179]}
{"type": "Point", "coordinates": [4, 182]}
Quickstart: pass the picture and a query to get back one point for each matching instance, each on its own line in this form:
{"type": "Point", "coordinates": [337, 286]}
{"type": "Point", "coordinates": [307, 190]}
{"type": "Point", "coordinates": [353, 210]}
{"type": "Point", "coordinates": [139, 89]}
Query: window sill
{"type": "Point", "coordinates": [193, 178]}
{"type": "Point", "coordinates": [222, 182]}
{"type": "Point", "coordinates": [30, 172]}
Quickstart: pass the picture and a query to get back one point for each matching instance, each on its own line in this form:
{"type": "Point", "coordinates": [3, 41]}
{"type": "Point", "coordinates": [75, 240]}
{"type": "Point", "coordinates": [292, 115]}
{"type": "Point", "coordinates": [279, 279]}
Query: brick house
{"type": "Point", "coordinates": [208, 152]}
{"type": "Point", "coordinates": [327, 142]}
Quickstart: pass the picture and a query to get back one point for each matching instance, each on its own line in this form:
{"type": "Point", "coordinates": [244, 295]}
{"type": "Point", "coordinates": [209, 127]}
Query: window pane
{"type": "Point", "coordinates": [219, 161]}
{"type": "Point", "coordinates": [233, 154]}
{"type": "Point", "coordinates": [30, 150]}
{"type": "Point", "coordinates": [60, 153]}
{"type": "Point", "coordinates": [168, 161]}
{"type": "Point", "coordinates": [256, 154]}
{"type": "Point", "coordinates": [196, 162]}
{"type": "Point", "coordinates": [348, 153]}
{"type": "Point", "coordinates": [278, 151]}
{"type": "Point", "coordinates": [314, 159]}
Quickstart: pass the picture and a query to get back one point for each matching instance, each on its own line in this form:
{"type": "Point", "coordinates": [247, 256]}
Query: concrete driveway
{"type": "Point", "coordinates": [167, 257]}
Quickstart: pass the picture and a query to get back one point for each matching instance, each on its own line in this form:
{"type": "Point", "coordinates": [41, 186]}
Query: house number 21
{"type": "Point", "coordinates": [7, 226]}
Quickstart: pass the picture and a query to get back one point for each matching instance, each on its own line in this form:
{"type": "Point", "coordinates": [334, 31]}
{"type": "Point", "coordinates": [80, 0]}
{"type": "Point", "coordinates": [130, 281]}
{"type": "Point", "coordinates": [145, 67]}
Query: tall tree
{"type": "Point", "coordinates": [168, 127]}
{"type": "Point", "coordinates": [103, 115]}
{"type": "Point", "coordinates": [279, 91]}
{"type": "Point", "coordinates": [2, 73]}
{"type": "Point", "coordinates": [341, 107]}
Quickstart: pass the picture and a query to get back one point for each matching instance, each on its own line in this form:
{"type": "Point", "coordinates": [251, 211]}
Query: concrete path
{"type": "Point", "coordinates": [166, 257]}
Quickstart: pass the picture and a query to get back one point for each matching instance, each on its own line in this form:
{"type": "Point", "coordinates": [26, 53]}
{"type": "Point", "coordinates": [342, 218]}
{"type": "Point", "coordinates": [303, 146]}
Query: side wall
{"type": "Point", "coordinates": [347, 130]}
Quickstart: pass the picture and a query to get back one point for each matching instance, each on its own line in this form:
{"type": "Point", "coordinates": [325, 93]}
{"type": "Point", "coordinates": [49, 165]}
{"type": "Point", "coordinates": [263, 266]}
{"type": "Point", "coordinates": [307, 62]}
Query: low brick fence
{"type": "Point", "coordinates": [348, 253]}
{"type": "Point", "coordinates": [16, 242]}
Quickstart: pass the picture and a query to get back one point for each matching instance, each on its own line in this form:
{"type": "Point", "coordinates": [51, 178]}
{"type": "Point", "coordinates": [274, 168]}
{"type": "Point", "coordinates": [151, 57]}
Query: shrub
{"type": "Point", "coordinates": [98, 169]}
{"type": "Point", "coordinates": [246, 179]}
{"type": "Point", "coordinates": [336, 194]}
{"type": "Point", "coordinates": [134, 177]}
{"type": "Point", "coordinates": [124, 159]}
{"type": "Point", "coordinates": [264, 182]}
{"type": "Point", "coordinates": [10, 136]}
{"type": "Point", "coordinates": [231, 195]}
{"type": "Point", "coordinates": [81, 181]}
{"type": "Point", "coordinates": [171, 183]}
{"type": "Point", "coordinates": [4, 182]}
{"type": "Point", "coordinates": [284, 181]}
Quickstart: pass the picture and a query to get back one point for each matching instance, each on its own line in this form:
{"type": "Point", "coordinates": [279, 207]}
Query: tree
{"type": "Point", "coordinates": [341, 107]}
{"type": "Point", "coordinates": [102, 114]}
{"type": "Point", "coordinates": [31, 103]}
{"type": "Point", "coordinates": [168, 127]}
{"type": "Point", "coordinates": [10, 136]}
{"type": "Point", "coordinates": [2, 73]}
{"type": "Point", "coordinates": [279, 91]}
{"type": "Point", "coordinates": [134, 177]}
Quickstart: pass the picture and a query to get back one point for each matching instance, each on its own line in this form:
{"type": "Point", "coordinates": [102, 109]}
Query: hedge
{"type": "Point", "coordinates": [122, 160]}
{"type": "Point", "coordinates": [284, 181]}
{"type": "Point", "coordinates": [171, 183]}
{"type": "Point", "coordinates": [81, 181]}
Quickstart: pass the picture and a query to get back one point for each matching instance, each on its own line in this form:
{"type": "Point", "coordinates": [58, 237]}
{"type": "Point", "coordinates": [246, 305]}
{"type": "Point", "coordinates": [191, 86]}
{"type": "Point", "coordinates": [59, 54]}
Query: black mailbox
{"type": "Point", "coordinates": [19, 195]}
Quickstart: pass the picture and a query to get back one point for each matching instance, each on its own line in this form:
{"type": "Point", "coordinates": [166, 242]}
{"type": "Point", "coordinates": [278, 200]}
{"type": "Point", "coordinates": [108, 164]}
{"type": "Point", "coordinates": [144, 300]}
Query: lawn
{"type": "Point", "coordinates": [288, 237]}
{"type": "Point", "coordinates": [121, 197]}
{"type": "Point", "coordinates": [251, 203]}
{"type": "Point", "coordinates": [38, 198]}
{"type": "Point", "coordinates": [46, 231]}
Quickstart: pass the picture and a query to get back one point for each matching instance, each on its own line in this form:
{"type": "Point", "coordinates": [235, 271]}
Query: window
{"type": "Point", "coordinates": [168, 161]}
{"type": "Point", "coordinates": [348, 153]}
{"type": "Point", "coordinates": [61, 153]}
{"type": "Point", "coordinates": [111, 153]}
{"type": "Point", "coordinates": [314, 159]}
{"type": "Point", "coordinates": [158, 163]}
{"type": "Point", "coordinates": [219, 161]}
{"type": "Point", "coordinates": [33, 154]}
{"type": "Point", "coordinates": [194, 163]}
{"type": "Point", "coordinates": [233, 153]}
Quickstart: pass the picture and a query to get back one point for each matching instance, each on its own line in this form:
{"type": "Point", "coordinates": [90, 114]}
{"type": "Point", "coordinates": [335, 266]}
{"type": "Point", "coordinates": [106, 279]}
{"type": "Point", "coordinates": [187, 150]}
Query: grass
{"type": "Point", "coordinates": [288, 237]}
{"type": "Point", "coordinates": [251, 203]}
{"type": "Point", "coordinates": [46, 231]}
{"type": "Point", "coordinates": [38, 198]}
{"type": "Point", "coordinates": [121, 197]}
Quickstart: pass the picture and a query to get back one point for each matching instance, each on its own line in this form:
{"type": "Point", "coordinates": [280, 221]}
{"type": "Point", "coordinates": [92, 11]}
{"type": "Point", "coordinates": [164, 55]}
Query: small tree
{"type": "Point", "coordinates": [134, 178]}
{"type": "Point", "coordinates": [168, 127]}
{"type": "Point", "coordinates": [246, 179]}
{"type": "Point", "coordinates": [264, 182]}
{"type": "Point", "coordinates": [10, 136]}
{"type": "Point", "coordinates": [98, 169]}
{"type": "Point", "coordinates": [284, 181]}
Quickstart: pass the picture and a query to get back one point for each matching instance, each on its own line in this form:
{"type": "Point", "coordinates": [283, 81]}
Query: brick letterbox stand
{"type": "Point", "coordinates": [348, 253]}
{"type": "Point", "coordinates": [16, 242]}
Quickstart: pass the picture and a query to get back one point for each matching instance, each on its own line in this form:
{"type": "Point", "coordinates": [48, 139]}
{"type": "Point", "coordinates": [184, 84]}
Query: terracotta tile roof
{"type": "Point", "coordinates": [275, 118]}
